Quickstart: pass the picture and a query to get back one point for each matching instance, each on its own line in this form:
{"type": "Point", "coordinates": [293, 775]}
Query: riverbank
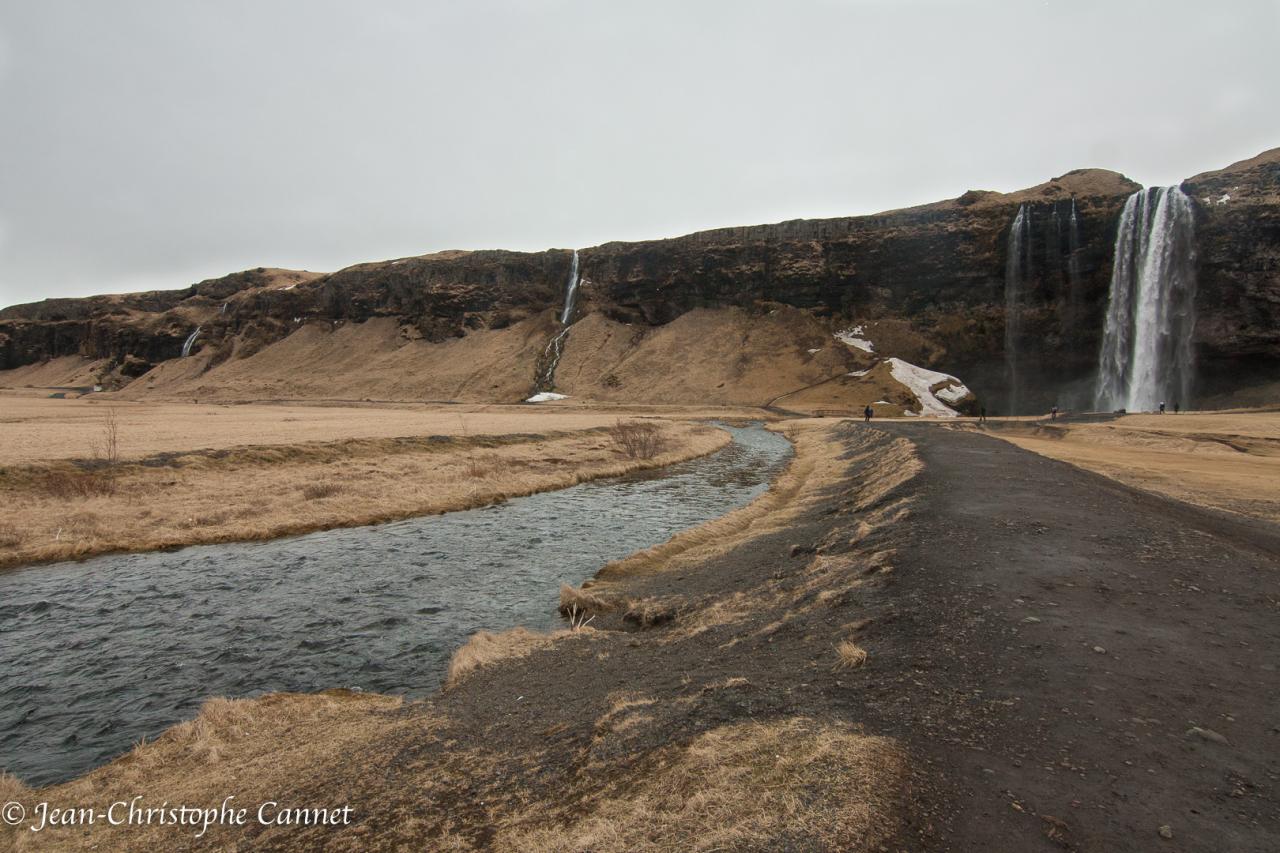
{"type": "Point", "coordinates": [708, 726]}
{"type": "Point", "coordinates": [81, 478]}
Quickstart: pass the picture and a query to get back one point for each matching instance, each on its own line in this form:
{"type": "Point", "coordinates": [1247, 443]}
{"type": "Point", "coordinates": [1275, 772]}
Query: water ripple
{"type": "Point", "coordinates": [99, 654]}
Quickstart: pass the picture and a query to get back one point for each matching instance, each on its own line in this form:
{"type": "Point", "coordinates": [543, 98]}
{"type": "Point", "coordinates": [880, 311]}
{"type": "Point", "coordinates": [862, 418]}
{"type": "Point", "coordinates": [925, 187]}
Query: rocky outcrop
{"type": "Point", "coordinates": [929, 280]}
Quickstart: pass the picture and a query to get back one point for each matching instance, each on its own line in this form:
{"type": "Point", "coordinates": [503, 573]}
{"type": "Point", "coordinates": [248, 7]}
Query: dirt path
{"type": "Point", "coordinates": [1077, 664]}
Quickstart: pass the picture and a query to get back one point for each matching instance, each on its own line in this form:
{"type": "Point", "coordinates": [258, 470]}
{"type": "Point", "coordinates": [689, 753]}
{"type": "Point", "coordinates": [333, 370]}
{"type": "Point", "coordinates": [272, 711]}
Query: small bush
{"type": "Point", "coordinates": [315, 491]}
{"type": "Point", "coordinates": [637, 439]}
{"type": "Point", "coordinates": [66, 485]}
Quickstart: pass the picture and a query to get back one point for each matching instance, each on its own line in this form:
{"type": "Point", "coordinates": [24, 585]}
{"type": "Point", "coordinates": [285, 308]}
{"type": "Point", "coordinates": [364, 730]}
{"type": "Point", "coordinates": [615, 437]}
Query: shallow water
{"type": "Point", "coordinates": [99, 654]}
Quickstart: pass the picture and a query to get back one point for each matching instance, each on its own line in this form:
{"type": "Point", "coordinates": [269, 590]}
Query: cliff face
{"type": "Point", "coordinates": [939, 269]}
{"type": "Point", "coordinates": [1238, 271]}
{"type": "Point", "coordinates": [929, 282]}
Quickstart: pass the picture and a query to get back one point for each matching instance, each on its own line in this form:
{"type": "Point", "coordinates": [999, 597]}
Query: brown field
{"type": "Point", "coordinates": [182, 474]}
{"type": "Point", "coordinates": [1224, 460]}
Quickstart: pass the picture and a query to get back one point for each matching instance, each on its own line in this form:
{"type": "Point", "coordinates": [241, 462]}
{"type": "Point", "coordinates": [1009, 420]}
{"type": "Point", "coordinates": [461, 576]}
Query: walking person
{"type": "Point", "coordinates": [1162, 407]}
{"type": "Point", "coordinates": [867, 413]}
{"type": "Point", "coordinates": [982, 414]}
{"type": "Point", "coordinates": [1176, 408]}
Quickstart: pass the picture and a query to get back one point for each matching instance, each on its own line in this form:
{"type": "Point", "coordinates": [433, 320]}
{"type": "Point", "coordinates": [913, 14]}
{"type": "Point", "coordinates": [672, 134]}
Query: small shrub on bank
{"type": "Point", "coordinates": [637, 439]}
{"type": "Point", "coordinates": [66, 485]}
{"type": "Point", "coordinates": [316, 491]}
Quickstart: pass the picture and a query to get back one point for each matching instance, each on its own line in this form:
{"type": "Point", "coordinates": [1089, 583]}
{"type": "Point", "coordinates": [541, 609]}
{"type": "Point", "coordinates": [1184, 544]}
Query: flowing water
{"type": "Point", "coordinates": [1017, 271]}
{"type": "Point", "coordinates": [1147, 355]}
{"type": "Point", "coordinates": [99, 654]}
{"type": "Point", "coordinates": [547, 381]}
{"type": "Point", "coordinates": [189, 342]}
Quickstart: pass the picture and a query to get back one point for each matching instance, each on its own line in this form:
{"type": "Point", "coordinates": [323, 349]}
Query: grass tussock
{"type": "Point", "coordinates": [574, 600]}
{"type": "Point", "coordinates": [637, 439]}
{"type": "Point", "coordinates": [318, 491]}
{"type": "Point", "coordinates": [486, 648]}
{"type": "Point", "coordinates": [850, 655]}
{"type": "Point", "coordinates": [797, 783]}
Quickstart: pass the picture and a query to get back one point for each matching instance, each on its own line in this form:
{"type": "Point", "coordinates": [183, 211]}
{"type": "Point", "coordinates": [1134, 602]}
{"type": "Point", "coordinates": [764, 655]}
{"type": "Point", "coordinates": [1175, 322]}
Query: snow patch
{"type": "Point", "coordinates": [1226, 197]}
{"type": "Point", "coordinates": [858, 372]}
{"type": "Point", "coordinates": [812, 351]}
{"type": "Point", "coordinates": [921, 382]}
{"type": "Point", "coordinates": [546, 397]}
{"type": "Point", "coordinates": [850, 337]}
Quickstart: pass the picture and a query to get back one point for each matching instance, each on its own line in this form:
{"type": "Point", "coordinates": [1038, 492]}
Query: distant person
{"type": "Point", "coordinates": [1176, 407]}
{"type": "Point", "coordinates": [982, 415]}
{"type": "Point", "coordinates": [1162, 407]}
{"type": "Point", "coordinates": [867, 413]}
{"type": "Point", "coordinates": [1053, 413]}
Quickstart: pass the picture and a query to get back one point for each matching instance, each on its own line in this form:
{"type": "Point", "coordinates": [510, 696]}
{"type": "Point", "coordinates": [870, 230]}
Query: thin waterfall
{"type": "Point", "coordinates": [1073, 248]}
{"type": "Point", "coordinates": [1017, 270]}
{"type": "Point", "coordinates": [1147, 355]}
{"type": "Point", "coordinates": [571, 292]}
{"type": "Point", "coordinates": [190, 341]}
{"type": "Point", "coordinates": [555, 348]}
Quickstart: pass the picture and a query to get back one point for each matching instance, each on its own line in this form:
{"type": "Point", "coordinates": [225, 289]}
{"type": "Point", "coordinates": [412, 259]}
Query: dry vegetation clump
{"type": "Point", "coordinates": [850, 655]}
{"type": "Point", "coordinates": [581, 601]}
{"type": "Point", "coordinates": [64, 483]}
{"type": "Point", "coordinates": [795, 783]}
{"type": "Point", "coordinates": [316, 491]}
{"type": "Point", "coordinates": [637, 439]}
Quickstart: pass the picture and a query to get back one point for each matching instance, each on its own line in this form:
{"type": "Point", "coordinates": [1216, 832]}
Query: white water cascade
{"type": "Point", "coordinates": [551, 356]}
{"type": "Point", "coordinates": [1017, 271]}
{"type": "Point", "coordinates": [1147, 356]}
{"type": "Point", "coordinates": [190, 341]}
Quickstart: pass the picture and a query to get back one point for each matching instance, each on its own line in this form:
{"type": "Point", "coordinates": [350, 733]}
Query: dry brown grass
{"type": "Point", "coordinates": [792, 783]}
{"type": "Point", "coordinates": [850, 655]}
{"type": "Point", "coordinates": [205, 496]}
{"type": "Point", "coordinates": [485, 648]}
{"type": "Point", "coordinates": [255, 749]}
{"type": "Point", "coordinates": [1228, 460]}
{"type": "Point", "coordinates": [582, 601]}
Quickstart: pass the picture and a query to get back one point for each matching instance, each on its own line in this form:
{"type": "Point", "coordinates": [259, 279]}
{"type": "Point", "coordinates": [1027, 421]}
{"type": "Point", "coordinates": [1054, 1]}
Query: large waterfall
{"type": "Point", "coordinates": [1147, 356]}
{"type": "Point", "coordinates": [1017, 271]}
{"type": "Point", "coordinates": [551, 356]}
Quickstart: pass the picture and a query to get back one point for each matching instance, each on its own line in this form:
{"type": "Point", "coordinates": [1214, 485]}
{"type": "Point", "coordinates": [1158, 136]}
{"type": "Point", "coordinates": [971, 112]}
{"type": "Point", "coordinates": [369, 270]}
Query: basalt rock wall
{"type": "Point", "coordinates": [930, 278]}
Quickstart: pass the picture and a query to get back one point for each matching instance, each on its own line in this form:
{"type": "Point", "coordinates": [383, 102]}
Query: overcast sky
{"type": "Point", "coordinates": [152, 144]}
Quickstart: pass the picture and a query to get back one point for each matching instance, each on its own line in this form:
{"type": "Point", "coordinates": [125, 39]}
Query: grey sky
{"type": "Point", "coordinates": [152, 144]}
